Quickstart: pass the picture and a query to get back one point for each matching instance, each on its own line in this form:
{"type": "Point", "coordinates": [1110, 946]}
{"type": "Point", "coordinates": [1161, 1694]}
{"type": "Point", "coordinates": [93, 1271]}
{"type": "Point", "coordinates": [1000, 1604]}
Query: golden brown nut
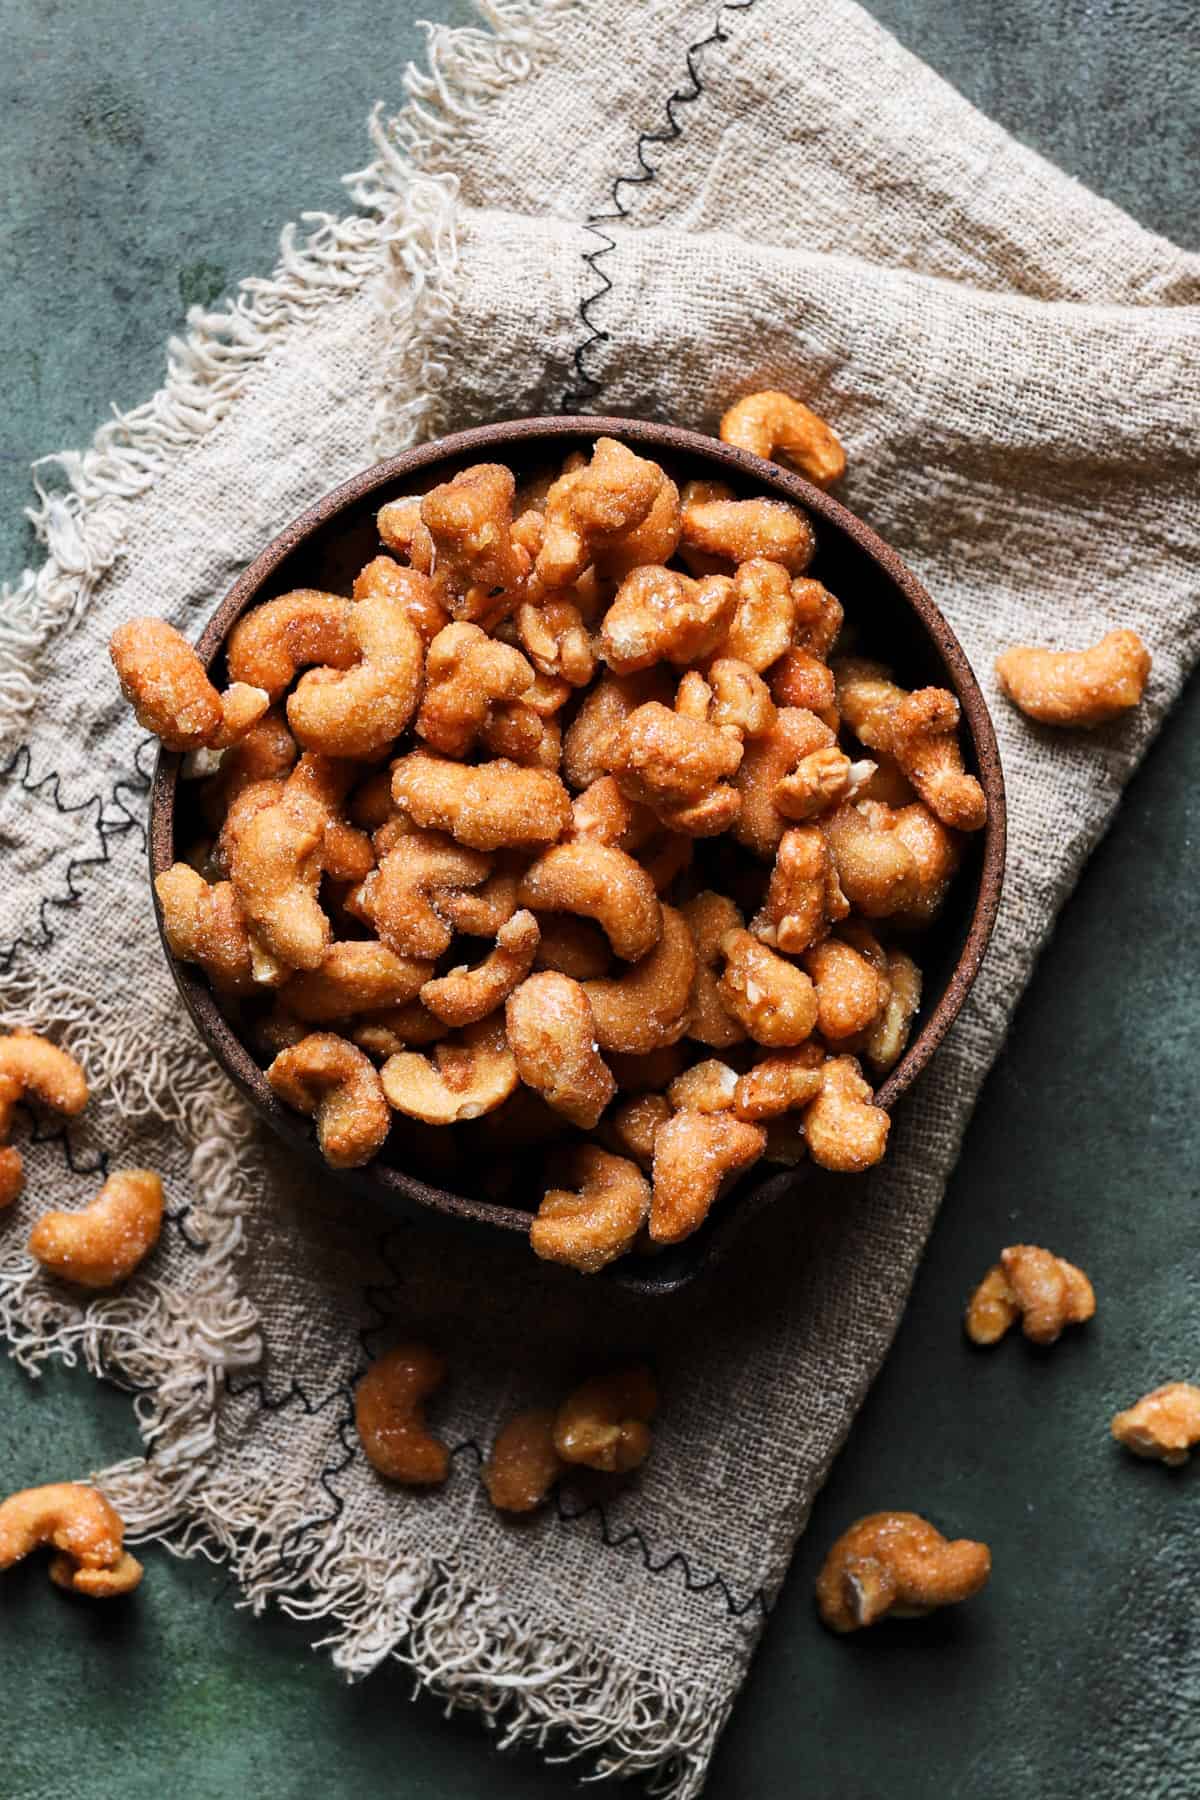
{"type": "Point", "coordinates": [709, 917]}
{"type": "Point", "coordinates": [467, 676]}
{"type": "Point", "coordinates": [920, 730]}
{"type": "Point", "coordinates": [400, 528]}
{"type": "Point", "coordinates": [467, 1077]}
{"type": "Point", "coordinates": [896, 1563]}
{"type": "Point", "coordinates": [81, 1526]}
{"type": "Point", "coordinates": [103, 1243]}
{"type": "Point", "coordinates": [556, 641]}
{"type": "Point", "coordinates": [801, 679]}
{"type": "Point", "coordinates": [936, 853]}
{"type": "Point", "coordinates": [706, 1087]}
{"type": "Point", "coordinates": [678, 767]}
{"type": "Point", "coordinates": [333, 1082]}
{"type": "Point", "coordinates": [594, 515]}
{"type": "Point", "coordinates": [819, 782]}
{"type": "Point", "coordinates": [660, 615]}
{"type": "Point", "coordinates": [819, 616]}
{"type": "Point", "coordinates": [164, 681]}
{"type": "Point", "coordinates": [695, 1155]}
{"type": "Point", "coordinates": [1164, 1424]}
{"type": "Point", "coordinates": [735, 697]}
{"type": "Point", "coordinates": [523, 1465]}
{"type": "Point", "coordinates": [389, 1413]}
{"type": "Point", "coordinates": [735, 531]}
{"type": "Point", "coordinates": [597, 881]}
{"type": "Point", "coordinates": [845, 1131]}
{"type": "Point", "coordinates": [1044, 1291]}
{"type": "Point", "coordinates": [408, 898]}
{"type": "Point", "coordinates": [12, 1175]}
{"type": "Point", "coordinates": [490, 806]}
{"type": "Point", "coordinates": [551, 1032]}
{"type": "Point", "coordinates": [780, 1084]}
{"type": "Point", "coordinates": [851, 993]}
{"type": "Point", "coordinates": [646, 1007]}
{"type": "Point", "coordinates": [357, 712]}
{"type": "Point", "coordinates": [887, 1038]}
{"type": "Point", "coordinates": [765, 620]}
{"type": "Point", "coordinates": [605, 1424]}
{"type": "Point", "coordinates": [464, 995]}
{"type": "Point", "coordinates": [1076, 687]}
{"type": "Point", "coordinates": [482, 911]}
{"type": "Point", "coordinates": [269, 645]}
{"type": "Point", "coordinates": [804, 897]}
{"type": "Point", "coordinates": [779, 428]}
{"type": "Point", "coordinates": [205, 925]}
{"type": "Point", "coordinates": [631, 1127]}
{"type": "Point", "coordinates": [358, 976]}
{"type": "Point", "coordinates": [795, 734]}
{"type": "Point", "coordinates": [604, 709]}
{"type": "Point", "coordinates": [595, 1220]}
{"type": "Point", "coordinates": [479, 570]}
{"type": "Point", "coordinates": [573, 947]}
{"type": "Point", "coordinates": [603, 813]}
{"type": "Point", "coordinates": [876, 868]}
{"type": "Point", "coordinates": [32, 1068]}
{"type": "Point", "coordinates": [773, 999]}
{"type": "Point", "coordinates": [409, 588]}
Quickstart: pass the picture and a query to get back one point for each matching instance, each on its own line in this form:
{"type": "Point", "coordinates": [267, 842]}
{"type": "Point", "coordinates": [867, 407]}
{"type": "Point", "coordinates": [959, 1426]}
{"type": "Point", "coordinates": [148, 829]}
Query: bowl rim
{"type": "Point", "coordinates": [227, 1047]}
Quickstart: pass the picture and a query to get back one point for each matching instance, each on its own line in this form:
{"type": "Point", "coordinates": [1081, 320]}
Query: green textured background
{"type": "Point", "coordinates": [148, 155]}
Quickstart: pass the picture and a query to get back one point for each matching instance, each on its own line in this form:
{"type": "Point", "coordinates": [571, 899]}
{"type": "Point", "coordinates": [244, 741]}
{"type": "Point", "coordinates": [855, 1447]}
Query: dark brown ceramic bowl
{"type": "Point", "coordinates": [325, 548]}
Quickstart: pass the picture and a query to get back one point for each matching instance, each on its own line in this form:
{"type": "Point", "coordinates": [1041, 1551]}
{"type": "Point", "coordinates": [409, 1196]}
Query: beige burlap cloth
{"type": "Point", "coordinates": [645, 209]}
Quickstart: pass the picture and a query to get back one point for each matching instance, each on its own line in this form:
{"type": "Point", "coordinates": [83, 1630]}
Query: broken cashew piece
{"type": "Point", "coordinates": [523, 1465]}
{"type": "Point", "coordinates": [773, 1000]}
{"type": "Point", "coordinates": [709, 916]}
{"type": "Point", "coordinates": [205, 925]}
{"type": "Point", "coordinates": [463, 995]}
{"type": "Point", "coordinates": [84, 1530]}
{"type": "Point", "coordinates": [595, 1220]}
{"type": "Point", "coordinates": [32, 1068]}
{"type": "Point", "coordinates": [695, 1155]}
{"type": "Point", "coordinates": [409, 898]}
{"type": "Point", "coordinates": [920, 731]}
{"type": "Point", "coordinates": [845, 1130]}
{"type": "Point", "coordinates": [389, 1414]}
{"type": "Point", "coordinates": [897, 1563]}
{"type": "Point", "coordinates": [552, 1035]}
{"type": "Point", "coordinates": [780, 428]}
{"type": "Point", "coordinates": [1076, 687]}
{"type": "Point", "coordinates": [164, 681]}
{"type": "Point", "coordinates": [1044, 1291]}
{"type": "Point", "coordinates": [466, 1077]}
{"type": "Point", "coordinates": [1164, 1424]}
{"type": "Point", "coordinates": [103, 1243]}
{"type": "Point", "coordinates": [605, 1424]}
{"type": "Point", "coordinates": [336, 1084]}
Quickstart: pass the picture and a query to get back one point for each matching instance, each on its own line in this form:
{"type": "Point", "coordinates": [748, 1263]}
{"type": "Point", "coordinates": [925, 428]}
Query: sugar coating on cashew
{"type": "Point", "coordinates": [679, 767]}
{"type": "Point", "coordinates": [275, 865]}
{"type": "Point", "coordinates": [695, 1155]}
{"type": "Point", "coordinates": [707, 1086]}
{"type": "Point", "coordinates": [763, 626]}
{"type": "Point", "coordinates": [661, 615]}
{"type": "Point", "coordinates": [32, 1068]}
{"type": "Point", "coordinates": [600, 882]}
{"type": "Point", "coordinates": [1044, 1291]}
{"type": "Point", "coordinates": [523, 1464]}
{"type": "Point", "coordinates": [739, 531]}
{"type": "Point", "coordinates": [768, 759]}
{"type": "Point", "coordinates": [359, 711]}
{"type": "Point", "coordinates": [552, 1034]}
{"type": "Point", "coordinates": [935, 849]}
{"type": "Point", "coordinates": [205, 925]}
{"type": "Point", "coordinates": [594, 1220]}
{"type": "Point", "coordinates": [819, 616]}
{"type": "Point", "coordinates": [467, 675]}
{"type": "Point", "coordinates": [876, 868]}
{"type": "Point", "coordinates": [1164, 1424]}
{"type": "Point", "coordinates": [556, 641]}
{"type": "Point", "coordinates": [780, 428]}
{"type": "Point", "coordinates": [103, 1243]}
{"type": "Point", "coordinates": [487, 806]}
{"type": "Point", "coordinates": [773, 1000]}
{"type": "Point", "coordinates": [338, 1086]}
{"type": "Point", "coordinates": [81, 1526]}
{"type": "Point", "coordinates": [409, 588]}
{"type": "Point", "coordinates": [593, 512]}
{"type": "Point", "coordinates": [920, 730]}
{"type": "Point", "coordinates": [630, 1128]}
{"type": "Point", "coordinates": [464, 995]}
{"type": "Point", "coordinates": [779, 1084]}
{"type": "Point", "coordinates": [269, 645]}
{"type": "Point", "coordinates": [266, 753]}
{"type": "Point", "coordinates": [1076, 687]}
{"type": "Point", "coordinates": [165, 682]}
{"type": "Point", "coordinates": [467, 1077]}
{"type": "Point", "coordinates": [389, 1415]}
{"type": "Point", "coordinates": [604, 813]}
{"type": "Point", "coordinates": [479, 570]}
{"type": "Point", "coordinates": [605, 1423]}
{"type": "Point", "coordinates": [801, 679]}
{"type": "Point", "coordinates": [845, 1131]}
{"type": "Point", "coordinates": [804, 897]}
{"type": "Point", "coordinates": [887, 1039]}
{"type": "Point", "coordinates": [851, 992]}
{"type": "Point", "coordinates": [730, 695]}
{"type": "Point", "coordinates": [709, 917]}
{"type": "Point", "coordinates": [604, 709]}
{"type": "Point", "coordinates": [357, 976]}
{"type": "Point", "coordinates": [646, 1007]}
{"type": "Point", "coordinates": [897, 1563]}
{"type": "Point", "coordinates": [408, 898]}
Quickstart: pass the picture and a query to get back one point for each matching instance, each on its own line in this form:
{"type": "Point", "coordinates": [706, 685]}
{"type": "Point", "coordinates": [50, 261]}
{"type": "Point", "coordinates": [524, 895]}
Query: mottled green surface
{"type": "Point", "coordinates": [148, 155]}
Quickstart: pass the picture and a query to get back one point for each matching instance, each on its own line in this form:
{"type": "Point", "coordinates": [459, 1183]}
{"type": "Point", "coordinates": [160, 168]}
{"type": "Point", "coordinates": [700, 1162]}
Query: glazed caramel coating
{"type": "Point", "coordinates": [920, 730]}
{"type": "Point", "coordinates": [819, 615]}
{"type": "Point", "coordinates": [358, 976]}
{"type": "Point", "coordinates": [358, 712]}
{"type": "Point", "coordinates": [12, 1175]}
{"type": "Point", "coordinates": [597, 881]}
{"type": "Point", "coordinates": [646, 1007]}
{"type": "Point", "coordinates": [596, 1219]}
{"type": "Point", "coordinates": [266, 753]}
{"type": "Point", "coordinates": [660, 615]}
{"type": "Point", "coordinates": [521, 734]}
{"type": "Point", "coordinates": [271, 643]}
{"type": "Point", "coordinates": [605, 1423]}
{"type": "Point", "coordinates": [556, 641]}
{"type": "Point", "coordinates": [678, 767]}
{"type": "Point", "coordinates": [845, 1131]}
{"type": "Point", "coordinates": [32, 1068]}
{"type": "Point", "coordinates": [490, 806]}
{"type": "Point", "coordinates": [695, 1153]}
{"type": "Point", "coordinates": [632, 1126]}
{"type": "Point", "coordinates": [604, 710]}
{"type": "Point", "coordinates": [779, 1084]}
{"type": "Point", "coordinates": [573, 947]}
{"type": "Point", "coordinates": [887, 1039]}
{"type": "Point", "coordinates": [801, 679]}
{"type": "Point", "coordinates": [479, 569]}
{"type": "Point", "coordinates": [851, 994]}
{"type": "Point", "coordinates": [551, 1032]}
{"type": "Point", "coordinates": [706, 1087]}
{"type": "Point", "coordinates": [1076, 687]}
{"type": "Point", "coordinates": [467, 1077]}
{"type": "Point", "coordinates": [773, 999]}
{"type": "Point", "coordinates": [164, 681]}
{"type": "Point", "coordinates": [818, 783]}
{"type": "Point", "coordinates": [593, 512]}
{"type": "Point", "coordinates": [780, 428]}
{"type": "Point", "coordinates": [796, 733]}
{"type": "Point", "coordinates": [804, 897]}
{"type": "Point", "coordinates": [1164, 1424]}
{"type": "Point", "coordinates": [936, 852]}
{"type": "Point", "coordinates": [467, 674]}
{"type": "Point", "coordinates": [103, 1243]}
{"type": "Point", "coordinates": [336, 1084]}
{"type": "Point", "coordinates": [737, 531]}
{"type": "Point", "coordinates": [481, 911]}
{"type": "Point", "coordinates": [465, 995]}
{"type": "Point", "coordinates": [399, 526]}
{"type": "Point", "coordinates": [389, 1415]}
{"type": "Point", "coordinates": [876, 869]}
{"type": "Point", "coordinates": [523, 1465]}
{"type": "Point", "coordinates": [709, 917]}
{"type": "Point", "coordinates": [406, 899]}
{"type": "Point", "coordinates": [205, 925]}
{"type": "Point", "coordinates": [410, 590]}
{"type": "Point", "coordinates": [395, 1028]}
{"type": "Point", "coordinates": [992, 1308]}
{"type": "Point", "coordinates": [896, 1563]}
{"type": "Point", "coordinates": [655, 540]}
{"type": "Point", "coordinates": [275, 866]}
{"type": "Point", "coordinates": [81, 1526]}
{"type": "Point", "coordinates": [764, 621]}
{"type": "Point", "coordinates": [1046, 1292]}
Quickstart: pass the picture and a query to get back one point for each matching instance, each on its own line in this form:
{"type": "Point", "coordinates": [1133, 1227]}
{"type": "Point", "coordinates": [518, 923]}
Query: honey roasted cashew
{"type": "Point", "coordinates": [395, 1028]}
{"type": "Point", "coordinates": [467, 676]}
{"type": "Point", "coordinates": [820, 781]}
{"type": "Point", "coordinates": [271, 643]}
{"type": "Point", "coordinates": [32, 1068]}
{"type": "Point", "coordinates": [464, 995]}
{"type": "Point", "coordinates": [406, 899]}
{"type": "Point", "coordinates": [357, 712]}
{"type": "Point", "coordinates": [164, 681]}
{"type": "Point", "coordinates": [661, 615]}
{"type": "Point", "coordinates": [266, 753]}
{"type": "Point", "coordinates": [896, 1563]}
{"type": "Point", "coordinates": [1075, 687]}
{"type": "Point", "coordinates": [597, 881]}
{"type": "Point", "coordinates": [409, 588]}
{"type": "Point", "coordinates": [801, 679]}
{"type": "Point", "coordinates": [1164, 1424]}
{"type": "Point", "coordinates": [275, 865]}
{"type": "Point", "coordinates": [84, 1530]}
{"type": "Point", "coordinates": [695, 1155]}
{"type": "Point", "coordinates": [770, 997]}
{"type": "Point", "coordinates": [679, 767]}
{"type": "Point", "coordinates": [851, 992]}
{"type": "Point", "coordinates": [479, 570]}
{"type": "Point", "coordinates": [605, 1423]}
{"type": "Point", "coordinates": [466, 1078]}
{"type": "Point", "coordinates": [606, 815]}
{"type": "Point", "coordinates": [336, 1084]}
{"type": "Point", "coordinates": [779, 1084]}
{"type": "Point", "coordinates": [556, 641]}
{"type": "Point", "coordinates": [523, 1464]}
{"type": "Point", "coordinates": [764, 620]}
{"type": "Point", "coordinates": [573, 946]}
{"type": "Point", "coordinates": [205, 925]}
{"type": "Point", "coordinates": [936, 852]}
{"type": "Point", "coordinates": [593, 1221]}
{"type": "Point", "coordinates": [604, 709]}
{"type": "Point", "coordinates": [780, 428]}
{"type": "Point", "coordinates": [709, 916]}
{"type": "Point", "coordinates": [887, 1038]}
{"type": "Point", "coordinates": [358, 976]}
{"type": "Point", "coordinates": [103, 1243]}
{"type": "Point", "coordinates": [646, 1007]}
{"type": "Point", "coordinates": [488, 806]}
{"type": "Point", "coordinates": [706, 1087]}
{"type": "Point", "coordinates": [592, 514]}
{"type": "Point", "coordinates": [819, 616]}
{"type": "Point", "coordinates": [804, 897]}
{"type": "Point", "coordinates": [876, 869]}
{"type": "Point", "coordinates": [1044, 1291]}
{"type": "Point", "coordinates": [730, 696]}
{"type": "Point", "coordinates": [795, 734]}
{"type": "Point", "coordinates": [920, 730]}
{"type": "Point", "coordinates": [845, 1131]}
{"type": "Point", "coordinates": [389, 1415]}
{"type": "Point", "coordinates": [552, 1035]}
{"type": "Point", "coordinates": [737, 531]}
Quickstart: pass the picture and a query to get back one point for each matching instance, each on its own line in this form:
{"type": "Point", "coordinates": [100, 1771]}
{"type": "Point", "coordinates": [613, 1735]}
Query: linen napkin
{"type": "Point", "coordinates": [645, 210]}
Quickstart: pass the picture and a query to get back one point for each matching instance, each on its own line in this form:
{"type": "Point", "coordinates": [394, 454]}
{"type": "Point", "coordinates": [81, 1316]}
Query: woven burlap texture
{"type": "Point", "coordinates": [643, 209]}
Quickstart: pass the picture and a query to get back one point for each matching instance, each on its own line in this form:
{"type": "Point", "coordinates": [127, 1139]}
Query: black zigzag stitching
{"type": "Point", "coordinates": [576, 398]}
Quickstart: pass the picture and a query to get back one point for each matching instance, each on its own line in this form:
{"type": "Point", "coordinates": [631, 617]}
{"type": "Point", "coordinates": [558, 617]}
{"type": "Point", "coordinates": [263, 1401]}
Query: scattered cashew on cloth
{"type": "Point", "coordinates": [802, 247]}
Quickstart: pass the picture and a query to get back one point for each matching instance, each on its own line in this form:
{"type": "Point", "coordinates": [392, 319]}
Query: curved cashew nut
{"type": "Point", "coordinates": [845, 1131]}
{"type": "Point", "coordinates": [104, 1242]}
{"type": "Point", "coordinates": [1075, 687]}
{"type": "Point", "coordinates": [605, 1423]}
{"type": "Point", "coordinates": [389, 1415]}
{"type": "Point", "coordinates": [597, 881]}
{"type": "Point", "coordinates": [695, 1154]}
{"type": "Point", "coordinates": [395, 1028]}
{"type": "Point", "coordinates": [737, 531]}
{"type": "Point", "coordinates": [205, 925]}
{"type": "Point", "coordinates": [795, 734]}
{"type": "Point", "coordinates": [594, 1221]}
{"type": "Point", "coordinates": [266, 753]}
{"type": "Point", "coordinates": [275, 865]}
{"type": "Point", "coordinates": [780, 428]}
{"type": "Point", "coordinates": [935, 850]}
{"type": "Point", "coordinates": [84, 1529]}
{"type": "Point", "coordinates": [523, 1465]}
{"type": "Point", "coordinates": [551, 1032]}
{"type": "Point", "coordinates": [164, 681]}
{"type": "Point", "coordinates": [33, 1068]}
{"type": "Point", "coordinates": [271, 644]}
{"type": "Point", "coordinates": [662, 615]}
{"type": "Point", "coordinates": [465, 995]}
{"type": "Point", "coordinates": [557, 642]}
{"type": "Point", "coordinates": [646, 1007]}
{"type": "Point", "coordinates": [888, 1037]}
{"type": "Point", "coordinates": [357, 712]}
{"type": "Point", "coordinates": [709, 916]}
{"type": "Point", "coordinates": [1164, 1424]}
{"type": "Point", "coordinates": [333, 1082]}
{"type": "Point", "coordinates": [592, 511]}
{"type": "Point", "coordinates": [405, 898]}
{"type": "Point", "coordinates": [920, 730]}
{"type": "Point", "coordinates": [358, 976]}
{"type": "Point", "coordinates": [678, 766]}
{"type": "Point", "coordinates": [489, 806]}
{"type": "Point", "coordinates": [631, 1128]}
{"type": "Point", "coordinates": [464, 1080]}
{"type": "Point", "coordinates": [764, 621]}
{"type": "Point", "coordinates": [773, 999]}
{"type": "Point", "coordinates": [896, 1563]}
{"type": "Point", "coordinates": [804, 897]}
{"type": "Point", "coordinates": [409, 588]}
{"type": "Point", "coordinates": [467, 675]}
{"type": "Point", "coordinates": [1045, 1291]}
{"type": "Point", "coordinates": [801, 679]}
